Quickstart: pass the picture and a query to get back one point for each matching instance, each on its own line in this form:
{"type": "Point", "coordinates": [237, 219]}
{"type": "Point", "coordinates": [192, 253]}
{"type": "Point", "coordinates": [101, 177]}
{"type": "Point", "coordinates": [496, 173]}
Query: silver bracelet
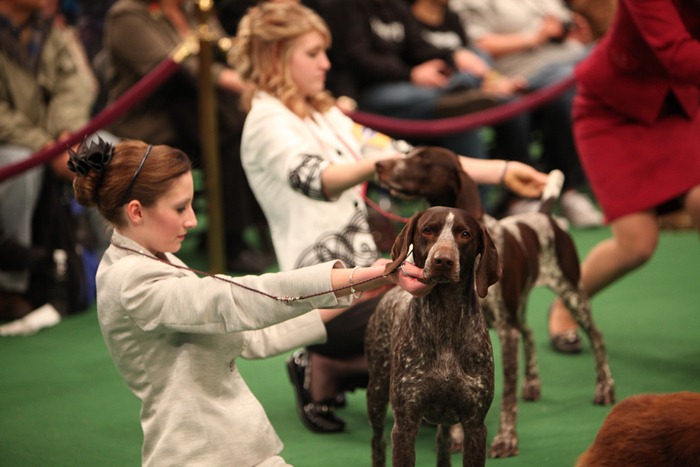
{"type": "Point", "coordinates": [352, 286]}
{"type": "Point", "coordinates": [502, 178]}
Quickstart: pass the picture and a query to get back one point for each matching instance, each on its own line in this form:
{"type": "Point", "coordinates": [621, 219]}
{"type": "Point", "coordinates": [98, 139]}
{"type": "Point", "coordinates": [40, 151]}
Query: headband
{"type": "Point", "coordinates": [127, 193]}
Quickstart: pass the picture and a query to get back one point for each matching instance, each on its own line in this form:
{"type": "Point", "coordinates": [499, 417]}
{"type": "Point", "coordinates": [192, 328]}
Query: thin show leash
{"type": "Point", "coordinates": [288, 298]}
{"type": "Point", "coordinates": [284, 298]}
{"type": "Point", "coordinates": [379, 209]}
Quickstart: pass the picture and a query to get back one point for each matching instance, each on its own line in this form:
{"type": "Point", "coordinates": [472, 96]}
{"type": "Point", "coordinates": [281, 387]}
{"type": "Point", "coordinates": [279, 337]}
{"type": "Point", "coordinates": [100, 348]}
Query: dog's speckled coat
{"type": "Point", "coordinates": [432, 356]}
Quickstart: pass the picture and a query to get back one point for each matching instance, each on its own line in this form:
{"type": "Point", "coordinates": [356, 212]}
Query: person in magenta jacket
{"type": "Point", "coordinates": [637, 128]}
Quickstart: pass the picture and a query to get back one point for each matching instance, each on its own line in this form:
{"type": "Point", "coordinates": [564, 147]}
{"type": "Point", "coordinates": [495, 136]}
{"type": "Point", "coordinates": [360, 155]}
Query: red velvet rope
{"type": "Point", "coordinates": [144, 87]}
{"type": "Point", "coordinates": [395, 127]}
{"type": "Point", "coordinates": [404, 128]}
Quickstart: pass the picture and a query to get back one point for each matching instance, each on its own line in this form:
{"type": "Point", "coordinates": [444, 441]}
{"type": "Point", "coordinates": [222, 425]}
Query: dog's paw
{"type": "Point", "coordinates": [531, 390]}
{"type": "Point", "coordinates": [604, 393]}
{"type": "Point", "coordinates": [504, 445]}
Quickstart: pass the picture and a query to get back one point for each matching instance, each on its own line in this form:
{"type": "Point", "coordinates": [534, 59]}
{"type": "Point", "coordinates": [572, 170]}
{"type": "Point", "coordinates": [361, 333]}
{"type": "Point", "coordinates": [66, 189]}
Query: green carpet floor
{"type": "Point", "coordinates": [62, 402]}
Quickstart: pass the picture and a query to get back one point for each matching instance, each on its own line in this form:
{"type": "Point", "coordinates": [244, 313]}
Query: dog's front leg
{"type": "Point", "coordinates": [377, 403]}
{"type": "Point", "coordinates": [531, 383]}
{"type": "Point", "coordinates": [474, 447]}
{"type": "Point", "coordinates": [505, 443]}
{"type": "Point", "coordinates": [403, 437]}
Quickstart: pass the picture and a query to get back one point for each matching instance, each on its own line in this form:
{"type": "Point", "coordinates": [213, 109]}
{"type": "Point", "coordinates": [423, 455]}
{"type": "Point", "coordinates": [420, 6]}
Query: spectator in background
{"type": "Point", "coordinates": [44, 97]}
{"type": "Point", "coordinates": [89, 22]}
{"type": "Point", "coordinates": [140, 34]}
{"type": "Point", "coordinates": [442, 27]}
{"type": "Point", "coordinates": [536, 40]}
{"type": "Point", "coordinates": [401, 75]}
{"type": "Point", "coordinates": [306, 162]}
{"type": "Point", "coordinates": [637, 126]}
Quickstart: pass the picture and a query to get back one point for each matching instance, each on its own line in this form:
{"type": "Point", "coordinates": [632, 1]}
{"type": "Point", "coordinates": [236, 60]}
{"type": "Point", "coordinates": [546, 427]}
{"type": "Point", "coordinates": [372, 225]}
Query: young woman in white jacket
{"type": "Point", "coordinates": [175, 336]}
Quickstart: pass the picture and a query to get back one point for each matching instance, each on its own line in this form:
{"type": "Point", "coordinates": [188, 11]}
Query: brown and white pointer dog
{"type": "Point", "coordinates": [534, 251]}
{"type": "Point", "coordinates": [431, 357]}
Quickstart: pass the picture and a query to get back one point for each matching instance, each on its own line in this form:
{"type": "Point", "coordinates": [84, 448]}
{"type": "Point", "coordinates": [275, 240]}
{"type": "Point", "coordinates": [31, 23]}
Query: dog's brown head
{"type": "Point", "coordinates": [433, 173]}
{"type": "Point", "coordinates": [446, 243]}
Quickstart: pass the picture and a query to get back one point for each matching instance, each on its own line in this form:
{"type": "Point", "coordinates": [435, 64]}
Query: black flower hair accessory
{"type": "Point", "coordinates": [94, 156]}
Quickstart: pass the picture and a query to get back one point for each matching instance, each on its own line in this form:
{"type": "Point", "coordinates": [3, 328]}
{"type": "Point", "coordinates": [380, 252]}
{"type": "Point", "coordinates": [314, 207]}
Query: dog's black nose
{"type": "Point", "coordinates": [444, 261]}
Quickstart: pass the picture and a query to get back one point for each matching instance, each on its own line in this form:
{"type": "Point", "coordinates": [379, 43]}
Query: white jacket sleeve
{"type": "Point", "coordinates": [274, 340]}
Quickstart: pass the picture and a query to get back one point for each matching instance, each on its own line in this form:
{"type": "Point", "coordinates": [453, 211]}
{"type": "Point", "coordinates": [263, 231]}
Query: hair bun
{"type": "Point", "coordinates": [94, 156]}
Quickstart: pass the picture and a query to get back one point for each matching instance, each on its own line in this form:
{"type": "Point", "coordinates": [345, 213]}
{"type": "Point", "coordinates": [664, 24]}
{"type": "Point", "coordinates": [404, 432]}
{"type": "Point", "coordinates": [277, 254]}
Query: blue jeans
{"type": "Point", "coordinates": [555, 72]}
{"type": "Point", "coordinates": [18, 197]}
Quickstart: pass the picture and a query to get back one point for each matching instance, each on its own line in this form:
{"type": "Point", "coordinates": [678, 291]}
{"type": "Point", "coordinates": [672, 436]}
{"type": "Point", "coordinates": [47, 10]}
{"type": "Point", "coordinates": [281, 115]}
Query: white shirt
{"type": "Point", "coordinates": [483, 17]}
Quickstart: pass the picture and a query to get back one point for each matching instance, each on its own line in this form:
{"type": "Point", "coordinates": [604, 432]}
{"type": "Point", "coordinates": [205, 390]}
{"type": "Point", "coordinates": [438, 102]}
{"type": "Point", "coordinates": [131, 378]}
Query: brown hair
{"type": "Point", "coordinates": [106, 188]}
{"type": "Point", "coordinates": [262, 48]}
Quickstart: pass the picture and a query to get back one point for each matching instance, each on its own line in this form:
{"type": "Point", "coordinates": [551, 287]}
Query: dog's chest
{"type": "Point", "coordinates": [446, 370]}
{"type": "Point", "coordinates": [445, 386]}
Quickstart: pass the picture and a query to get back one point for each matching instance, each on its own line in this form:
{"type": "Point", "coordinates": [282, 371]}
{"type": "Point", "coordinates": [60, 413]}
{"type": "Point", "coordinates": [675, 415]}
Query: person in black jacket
{"type": "Point", "coordinates": [399, 74]}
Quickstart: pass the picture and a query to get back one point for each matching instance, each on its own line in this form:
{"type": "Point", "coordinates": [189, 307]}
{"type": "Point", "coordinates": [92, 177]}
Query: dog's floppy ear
{"type": "Point", "coordinates": [468, 197]}
{"type": "Point", "coordinates": [399, 249]}
{"type": "Point", "coordinates": [489, 269]}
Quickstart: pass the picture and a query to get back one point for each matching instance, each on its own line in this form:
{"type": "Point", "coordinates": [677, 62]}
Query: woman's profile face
{"type": "Point", "coordinates": [309, 63]}
{"type": "Point", "coordinates": [166, 223]}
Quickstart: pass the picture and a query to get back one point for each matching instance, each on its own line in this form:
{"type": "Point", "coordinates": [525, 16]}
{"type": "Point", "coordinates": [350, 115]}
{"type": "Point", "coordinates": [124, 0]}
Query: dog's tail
{"type": "Point", "coordinates": [551, 192]}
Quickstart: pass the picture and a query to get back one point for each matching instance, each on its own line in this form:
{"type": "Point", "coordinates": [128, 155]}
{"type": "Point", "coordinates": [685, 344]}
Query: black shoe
{"type": "Point", "coordinates": [340, 401]}
{"type": "Point", "coordinates": [316, 416]}
{"type": "Point", "coordinates": [319, 417]}
{"type": "Point", "coordinates": [566, 342]}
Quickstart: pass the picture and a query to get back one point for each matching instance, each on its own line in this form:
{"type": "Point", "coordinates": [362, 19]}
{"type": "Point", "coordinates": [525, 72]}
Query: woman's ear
{"type": "Point", "coordinates": [134, 212]}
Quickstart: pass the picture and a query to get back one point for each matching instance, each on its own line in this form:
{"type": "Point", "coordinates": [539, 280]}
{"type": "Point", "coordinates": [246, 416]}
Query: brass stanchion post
{"type": "Point", "coordinates": [209, 141]}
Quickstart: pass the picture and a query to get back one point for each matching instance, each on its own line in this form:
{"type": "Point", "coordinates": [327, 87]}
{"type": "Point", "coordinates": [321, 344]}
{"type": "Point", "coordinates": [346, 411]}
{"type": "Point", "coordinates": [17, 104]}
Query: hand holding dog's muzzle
{"type": "Point", "coordinates": [410, 277]}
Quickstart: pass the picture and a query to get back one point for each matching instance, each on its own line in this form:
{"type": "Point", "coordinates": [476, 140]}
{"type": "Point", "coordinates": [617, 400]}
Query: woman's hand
{"type": "Point", "coordinates": [469, 62]}
{"type": "Point", "coordinates": [373, 280]}
{"type": "Point", "coordinates": [410, 278]}
{"type": "Point", "coordinates": [431, 74]}
{"type": "Point", "coordinates": [524, 180]}
{"type": "Point", "coordinates": [382, 289]}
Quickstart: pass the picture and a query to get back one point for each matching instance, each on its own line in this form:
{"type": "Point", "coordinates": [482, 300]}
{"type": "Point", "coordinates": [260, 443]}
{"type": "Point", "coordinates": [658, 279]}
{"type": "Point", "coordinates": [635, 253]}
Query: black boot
{"type": "Point", "coordinates": [316, 416]}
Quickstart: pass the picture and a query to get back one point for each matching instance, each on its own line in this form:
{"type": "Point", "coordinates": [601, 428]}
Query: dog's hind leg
{"type": "Point", "coordinates": [565, 283]}
{"type": "Point", "coordinates": [532, 383]}
{"type": "Point", "coordinates": [580, 307]}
